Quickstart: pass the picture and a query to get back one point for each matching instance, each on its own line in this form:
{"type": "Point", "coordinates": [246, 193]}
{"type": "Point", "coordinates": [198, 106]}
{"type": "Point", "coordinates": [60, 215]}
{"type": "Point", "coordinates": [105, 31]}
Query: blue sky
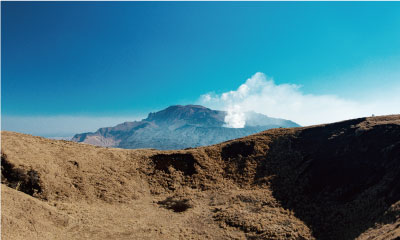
{"type": "Point", "coordinates": [108, 61]}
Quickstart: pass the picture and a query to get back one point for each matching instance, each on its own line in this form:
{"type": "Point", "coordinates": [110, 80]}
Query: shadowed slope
{"type": "Point", "coordinates": [335, 181]}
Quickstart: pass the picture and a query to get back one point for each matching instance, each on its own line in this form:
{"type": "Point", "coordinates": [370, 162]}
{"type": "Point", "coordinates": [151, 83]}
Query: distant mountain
{"type": "Point", "coordinates": [178, 127]}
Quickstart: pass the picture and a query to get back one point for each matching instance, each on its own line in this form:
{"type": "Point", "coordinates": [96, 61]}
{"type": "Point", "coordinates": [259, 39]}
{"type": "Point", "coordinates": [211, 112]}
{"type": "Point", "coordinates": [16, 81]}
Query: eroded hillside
{"type": "Point", "coordinates": [335, 181]}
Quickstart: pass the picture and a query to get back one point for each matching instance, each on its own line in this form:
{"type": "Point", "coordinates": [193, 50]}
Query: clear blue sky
{"type": "Point", "coordinates": [116, 58]}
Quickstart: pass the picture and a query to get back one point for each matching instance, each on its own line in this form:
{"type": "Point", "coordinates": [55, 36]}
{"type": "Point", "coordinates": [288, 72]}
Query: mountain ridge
{"type": "Point", "coordinates": [178, 127]}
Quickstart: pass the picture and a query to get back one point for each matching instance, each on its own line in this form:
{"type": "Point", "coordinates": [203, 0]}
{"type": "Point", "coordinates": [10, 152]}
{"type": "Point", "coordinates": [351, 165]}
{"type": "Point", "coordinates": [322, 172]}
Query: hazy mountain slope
{"type": "Point", "coordinates": [335, 181]}
{"type": "Point", "coordinates": [178, 127]}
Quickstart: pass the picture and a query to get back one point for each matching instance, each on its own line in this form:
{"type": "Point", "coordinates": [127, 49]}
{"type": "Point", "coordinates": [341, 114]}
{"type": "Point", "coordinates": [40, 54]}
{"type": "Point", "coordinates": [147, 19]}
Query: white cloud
{"type": "Point", "coordinates": [262, 95]}
{"type": "Point", "coordinates": [259, 93]}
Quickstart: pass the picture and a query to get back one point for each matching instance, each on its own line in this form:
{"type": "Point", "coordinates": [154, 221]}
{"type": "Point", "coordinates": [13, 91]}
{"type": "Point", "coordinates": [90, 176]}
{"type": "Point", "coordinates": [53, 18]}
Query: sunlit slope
{"type": "Point", "coordinates": [334, 181]}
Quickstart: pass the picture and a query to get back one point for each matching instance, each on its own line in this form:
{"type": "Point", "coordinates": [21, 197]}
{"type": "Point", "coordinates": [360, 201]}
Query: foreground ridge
{"type": "Point", "coordinates": [331, 181]}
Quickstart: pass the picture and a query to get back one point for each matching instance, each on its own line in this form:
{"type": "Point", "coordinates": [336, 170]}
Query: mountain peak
{"type": "Point", "coordinates": [177, 127]}
{"type": "Point", "coordinates": [191, 114]}
{"type": "Point", "coordinates": [189, 106]}
{"type": "Point", "coordinates": [181, 108]}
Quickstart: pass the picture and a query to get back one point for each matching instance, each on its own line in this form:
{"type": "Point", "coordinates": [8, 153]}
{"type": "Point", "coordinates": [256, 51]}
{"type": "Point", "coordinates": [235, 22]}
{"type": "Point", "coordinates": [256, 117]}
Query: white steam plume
{"type": "Point", "coordinates": [260, 94]}
{"type": "Point", "coordinates": [235, 117]}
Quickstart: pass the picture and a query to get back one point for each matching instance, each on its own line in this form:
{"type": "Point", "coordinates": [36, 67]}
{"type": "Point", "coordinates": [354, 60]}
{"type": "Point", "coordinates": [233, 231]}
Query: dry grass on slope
{"type": "Point", "coordinates": [336, 181]}
{"type": "Point", "coordinates": [141, 194]}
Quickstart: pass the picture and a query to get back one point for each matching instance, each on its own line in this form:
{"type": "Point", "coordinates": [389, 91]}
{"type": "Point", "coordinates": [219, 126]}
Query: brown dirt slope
{"type": "Point", "coordinates": [334, 181]}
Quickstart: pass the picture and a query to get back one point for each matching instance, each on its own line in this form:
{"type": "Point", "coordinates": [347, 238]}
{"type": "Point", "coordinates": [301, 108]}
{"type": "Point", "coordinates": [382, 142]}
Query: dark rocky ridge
{"type": "Point", "coordinates": [179, 127]}
{"type": "Point", "coordinates": [340, 178]}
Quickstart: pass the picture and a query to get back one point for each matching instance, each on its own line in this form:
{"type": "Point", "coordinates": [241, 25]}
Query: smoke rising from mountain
{"type": "Point", "coordinates": [260, 94]}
